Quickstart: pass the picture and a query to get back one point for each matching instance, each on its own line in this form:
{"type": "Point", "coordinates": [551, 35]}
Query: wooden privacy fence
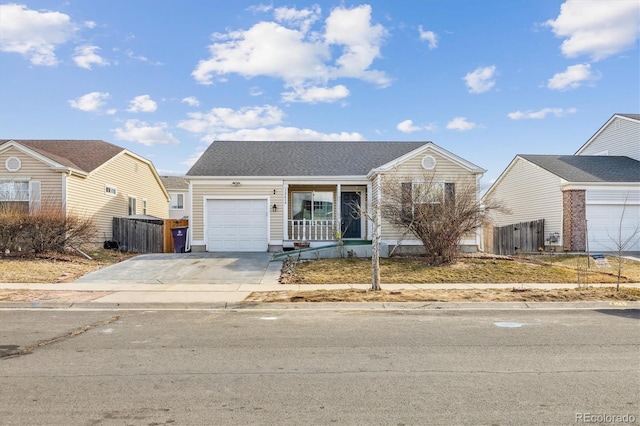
{"type": "Point", "coordinates": [139, 235]}
{"type": "Point", "coordinates": [523, 237]}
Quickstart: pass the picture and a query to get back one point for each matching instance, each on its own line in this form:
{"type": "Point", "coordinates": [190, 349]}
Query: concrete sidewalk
{"type": "Point", "coordinates": [126, 293]}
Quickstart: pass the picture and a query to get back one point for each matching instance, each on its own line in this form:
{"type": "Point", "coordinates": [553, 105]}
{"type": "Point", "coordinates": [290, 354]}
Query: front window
{"type": "Point", "coordinates": [312, 205]}
{"type": "Point", "coordinates": [177, 202]}
{"type": "Point", "coordinates": [14, 190]}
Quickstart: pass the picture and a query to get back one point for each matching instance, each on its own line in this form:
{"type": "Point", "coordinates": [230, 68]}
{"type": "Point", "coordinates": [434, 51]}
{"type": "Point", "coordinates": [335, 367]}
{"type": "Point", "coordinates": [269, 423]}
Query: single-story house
{"type": "Point", "coordinates": [589, 200]}
{"type": "Point", "coordinates": [84, 177]}
{"type": "Point", "coordinates": [178, 189]}
{"type": "Point", "coordinates": [270, 195]}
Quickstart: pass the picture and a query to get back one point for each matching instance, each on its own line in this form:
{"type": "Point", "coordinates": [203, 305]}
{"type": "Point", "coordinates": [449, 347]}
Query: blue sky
{"type": "Point", "coordinates": [484, 79]}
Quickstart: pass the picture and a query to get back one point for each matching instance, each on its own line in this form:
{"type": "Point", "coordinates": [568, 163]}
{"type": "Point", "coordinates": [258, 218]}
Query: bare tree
{"type": "Point", "coordinates": [437, 212]}
{"type": "Point", "coordinates": [623, 240]}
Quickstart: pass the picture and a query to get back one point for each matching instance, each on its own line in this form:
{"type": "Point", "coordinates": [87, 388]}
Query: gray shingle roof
{"type": "Point", "coordinates": [83, 155]}
{"type": "Point", "coordinates": [633, 116]}
{"type": "Point", "coordinates": [589, 168]}
{"type": "Point", "coordinates": [174, 182]}
{"type": "Point", "coordinates": [289, 158]}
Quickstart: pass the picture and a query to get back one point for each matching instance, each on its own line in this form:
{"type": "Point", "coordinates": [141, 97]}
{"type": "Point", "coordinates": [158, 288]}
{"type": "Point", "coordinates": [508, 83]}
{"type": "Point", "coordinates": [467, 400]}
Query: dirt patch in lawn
{"type": "Point", "coordinates": [489, 295]}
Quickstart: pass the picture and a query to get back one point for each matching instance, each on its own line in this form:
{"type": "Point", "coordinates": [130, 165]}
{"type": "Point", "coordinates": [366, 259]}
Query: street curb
{"type": "Point", "coordinates": [332, 306]}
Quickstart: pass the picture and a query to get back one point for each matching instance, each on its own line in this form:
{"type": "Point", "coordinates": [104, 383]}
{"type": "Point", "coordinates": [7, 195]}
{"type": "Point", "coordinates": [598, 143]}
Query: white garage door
{"type": "Point", "coordinates": [237, 225]}
{"type": "Point", "coordinates": [603, 222]}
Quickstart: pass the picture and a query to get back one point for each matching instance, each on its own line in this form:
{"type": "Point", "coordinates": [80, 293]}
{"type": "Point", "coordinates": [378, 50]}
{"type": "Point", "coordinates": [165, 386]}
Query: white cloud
{"type": "Point", "coordinates": [34, 34]}
{"type": "Point", "coordinates": [191, 101]}
{"type": "Point", "coordinates": [140, 58]}
{"type": "Point", "coordinates": [573, 77]}
{"type": "Point", "coordinates": [481, 79]}
{"type": "Point", "coordinates": [538, 115]}
{"type": "Point", "coordinates": [89, 24]}
{"type": "Point", "coordinates": [597, 28]}
{"type": "Point", "coordinates": [287, 134]}
{"type": "Point", "coordinates": [316, 94]}
{"type": "Point", "coordinates": [142, 103]}
{"type": "Point", "coordinates": [290, 51]}
{"type": "Point", "coordinates": [91, 102]}
{"type": "Point", "coordinates": [149, 135]}
{"type": "Point", "coordinates": [86, 56]}
{"type": "Point", "coordinates": [461, 123]}
{"type": "Point", "coordinates": [223, 119]}
{"type": "Point", "coordinates": [429, 36]}
{"type": "Point", "coordinates": [302, 19]}
{"type": "Point", "coordinates": [255, 91]}
{"type": "Point", "coordinates": [407, 126]}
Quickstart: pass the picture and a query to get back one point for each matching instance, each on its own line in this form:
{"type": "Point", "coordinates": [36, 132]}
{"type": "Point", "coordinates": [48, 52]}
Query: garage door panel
{"type": "Point", "coordinates": [237, 225]}
{"type": "Point", "coordinates": [605, 229]}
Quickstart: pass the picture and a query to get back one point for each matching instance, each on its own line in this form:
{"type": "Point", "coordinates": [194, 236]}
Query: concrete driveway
{"type": "Point", "coordinates": [190, 268]}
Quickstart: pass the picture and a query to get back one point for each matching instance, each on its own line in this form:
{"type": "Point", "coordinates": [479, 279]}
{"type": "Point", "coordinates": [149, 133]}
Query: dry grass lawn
{"type": "Point", "coordinates": [493, 295]}
{"type": "Point", "coordinates": [473, 269]}
{"type": "Point", "coordinates": [55, 268]}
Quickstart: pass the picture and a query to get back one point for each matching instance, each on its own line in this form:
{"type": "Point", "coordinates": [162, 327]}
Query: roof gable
{"type": "Point", "coordinates": [81, 155]}
{"type": "Point", "coordinates": [297, 158]}
{"type": "Point", "coordinates": [174, 182]}
{"type": "Point", "coordinates": [630, 117]}
{"type": "Point", "coordinates": [588, 168]}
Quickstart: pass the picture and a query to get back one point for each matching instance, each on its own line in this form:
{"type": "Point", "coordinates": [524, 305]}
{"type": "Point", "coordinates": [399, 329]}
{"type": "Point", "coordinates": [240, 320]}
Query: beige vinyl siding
{"type": "Point", "coordinates": [620, 137]}
{"type": "Point", "coordinates": [131, 177]}
{"type": "Point", "coordinates": [530, 193]}
{"type": "Point", "coordinates": [412, 170]}
{"type": "Point", "coordinates": [246, 190]}
{"type": "Point", "coordinates": [51, 191]}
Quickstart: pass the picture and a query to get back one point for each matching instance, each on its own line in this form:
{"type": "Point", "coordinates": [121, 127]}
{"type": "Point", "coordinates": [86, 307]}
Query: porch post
{"type": "Point", "coordinates": [285, 211]}
{"type": "Point", "coordinates": [337, 223]}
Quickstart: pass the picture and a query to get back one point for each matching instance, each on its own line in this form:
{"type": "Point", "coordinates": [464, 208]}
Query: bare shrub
{"type": "Point", "coordinates": [46, 227]}
{"type": "Point", "coordinates": [438, 213]}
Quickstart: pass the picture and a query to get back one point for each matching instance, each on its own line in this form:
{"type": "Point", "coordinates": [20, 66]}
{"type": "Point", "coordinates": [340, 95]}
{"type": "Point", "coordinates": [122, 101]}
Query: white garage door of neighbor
{"type": "Point", "coordinates": [603, 223]}
{"type": "Point", "coordinates": [237, 225]}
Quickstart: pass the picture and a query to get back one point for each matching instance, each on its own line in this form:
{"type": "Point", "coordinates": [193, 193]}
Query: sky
{"type": "Point", "coordinates": [486, 80]}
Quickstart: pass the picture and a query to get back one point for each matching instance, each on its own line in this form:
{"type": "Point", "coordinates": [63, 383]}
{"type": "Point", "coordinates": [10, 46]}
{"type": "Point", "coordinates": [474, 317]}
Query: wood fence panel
{"type": "Point", "coordinates": [138, 236]}
{"type": "Point", "coordinates": [168, 235]}
{"type": "Point", "coordinates": [523, 237]}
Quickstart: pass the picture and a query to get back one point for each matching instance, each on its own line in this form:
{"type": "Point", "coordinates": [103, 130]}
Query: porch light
{"type": "Point", "coordinates": [275, 207]}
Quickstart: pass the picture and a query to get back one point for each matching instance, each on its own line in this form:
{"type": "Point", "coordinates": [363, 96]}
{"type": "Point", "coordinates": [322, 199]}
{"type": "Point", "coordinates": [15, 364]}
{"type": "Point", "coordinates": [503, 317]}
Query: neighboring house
{"type": "Point", "coordinates": [178, 189]}
{"type": "Point", "coordinates": [269, 195]}
{"type": "Point", "coordinates": [85, 177]}
{"type": "Point", "coordinates": [586, 199]}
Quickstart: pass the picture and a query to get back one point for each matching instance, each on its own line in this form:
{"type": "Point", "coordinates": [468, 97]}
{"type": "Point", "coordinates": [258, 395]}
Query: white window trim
{"type": "Point", "coordinates": [107, 191]}
{"type": "Point", "coordinates": [176, 207]}
{"type": "Point", "coordinates": [135, 205]}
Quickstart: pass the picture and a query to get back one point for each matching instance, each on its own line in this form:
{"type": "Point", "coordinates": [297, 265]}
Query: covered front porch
{"type": "Point", "coordinates": [319, 214]}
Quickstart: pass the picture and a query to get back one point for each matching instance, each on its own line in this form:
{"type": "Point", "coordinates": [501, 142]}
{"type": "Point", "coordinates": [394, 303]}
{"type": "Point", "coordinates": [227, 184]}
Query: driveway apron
{"type": "Point", "coordinates": [188, 268]}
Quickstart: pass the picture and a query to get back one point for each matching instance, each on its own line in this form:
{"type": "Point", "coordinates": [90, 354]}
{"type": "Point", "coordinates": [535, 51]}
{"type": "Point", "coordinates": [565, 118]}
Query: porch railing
{"type": "Point", "coordinates": [313, 230]}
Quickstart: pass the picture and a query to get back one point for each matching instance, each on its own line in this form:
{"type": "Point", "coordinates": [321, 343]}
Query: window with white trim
{"type": "Point", "coordinates": [22, 194]}
{"type": "Point", "coordinates": [144, 206]}
{"type": "Point", "coordinates": [177, 202]}
{"type": "Point", "coordinates": [132, 207]}
{"type": "Point", "coordinates": [316, 205]}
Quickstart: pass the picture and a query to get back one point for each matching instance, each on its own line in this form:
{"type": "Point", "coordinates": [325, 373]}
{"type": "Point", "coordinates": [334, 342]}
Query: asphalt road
{"type": "Point", "coordinates": [190, 367]}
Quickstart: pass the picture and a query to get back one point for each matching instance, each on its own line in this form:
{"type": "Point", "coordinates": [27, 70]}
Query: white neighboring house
{"type": "Point", "coordinates": [585, 198]}
{"type": "Point", "coordinates": [178, 189]}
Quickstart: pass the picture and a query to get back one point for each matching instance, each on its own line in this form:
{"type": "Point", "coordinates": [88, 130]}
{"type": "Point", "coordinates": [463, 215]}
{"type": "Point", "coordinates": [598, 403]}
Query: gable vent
{"type": "Point", "coordinates": [13, 164]}
{"type": "Point", "coordinates": [428, 162]}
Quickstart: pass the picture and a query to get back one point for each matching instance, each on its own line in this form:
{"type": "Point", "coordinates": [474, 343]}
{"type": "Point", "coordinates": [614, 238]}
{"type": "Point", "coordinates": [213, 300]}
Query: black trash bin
{"type": "Point", "coordinates": [179, 238]}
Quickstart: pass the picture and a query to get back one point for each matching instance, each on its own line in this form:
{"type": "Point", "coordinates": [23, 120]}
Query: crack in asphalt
{"type": "Point", "coordinates": [78, 331]}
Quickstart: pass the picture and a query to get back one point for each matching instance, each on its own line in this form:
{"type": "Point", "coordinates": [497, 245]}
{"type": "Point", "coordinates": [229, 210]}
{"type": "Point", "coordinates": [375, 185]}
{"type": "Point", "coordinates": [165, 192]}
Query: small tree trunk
{"type": "Point", "coordinates": [375, 241]}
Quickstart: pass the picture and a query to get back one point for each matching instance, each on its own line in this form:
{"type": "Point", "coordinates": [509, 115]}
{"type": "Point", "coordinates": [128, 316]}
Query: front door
{"type": "Point", "coordinates": [350, 218]}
